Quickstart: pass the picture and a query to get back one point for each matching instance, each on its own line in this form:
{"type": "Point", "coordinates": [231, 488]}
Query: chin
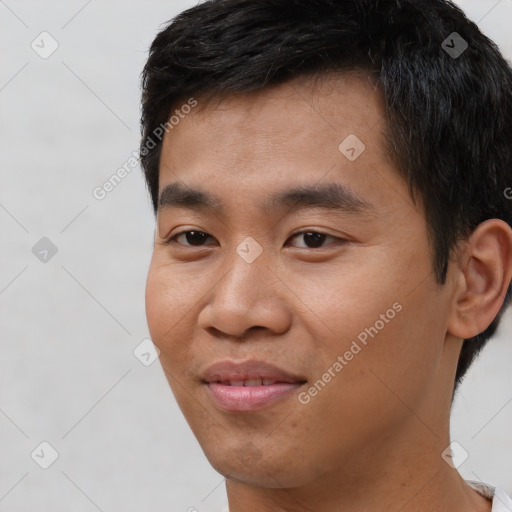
{"type": "Point", "coordinates": [248, 465]}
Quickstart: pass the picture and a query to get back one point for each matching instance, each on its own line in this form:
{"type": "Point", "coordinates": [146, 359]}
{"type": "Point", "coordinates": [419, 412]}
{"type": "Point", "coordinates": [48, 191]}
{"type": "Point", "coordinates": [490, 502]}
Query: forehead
{"type": "Point", "coordinates": [302, 108]}
{"type": "Point", "coordinates": [293, 133]}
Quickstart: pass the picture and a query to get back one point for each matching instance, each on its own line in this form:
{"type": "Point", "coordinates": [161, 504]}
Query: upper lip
{"type": "Point", "coordinates": [229, 370]}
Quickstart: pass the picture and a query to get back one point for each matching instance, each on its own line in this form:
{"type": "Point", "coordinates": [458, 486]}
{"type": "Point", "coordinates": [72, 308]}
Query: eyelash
{"type": "Point", "coordinates": [172, 240]}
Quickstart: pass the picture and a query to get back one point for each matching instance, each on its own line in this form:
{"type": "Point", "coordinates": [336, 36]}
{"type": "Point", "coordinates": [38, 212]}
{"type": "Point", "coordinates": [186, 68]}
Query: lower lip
{"type": "Point", "coordinates": [249, 398]}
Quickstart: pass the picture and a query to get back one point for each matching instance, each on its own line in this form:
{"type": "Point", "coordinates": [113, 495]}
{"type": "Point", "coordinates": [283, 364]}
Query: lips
{"type": "Point", "coordinates": [248, 385]}
{"type": "Point", "coordinates": [248, 373]}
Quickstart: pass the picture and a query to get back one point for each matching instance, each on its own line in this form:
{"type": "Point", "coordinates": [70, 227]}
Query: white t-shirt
{"type": "Point", "coordinates": [501, 501]}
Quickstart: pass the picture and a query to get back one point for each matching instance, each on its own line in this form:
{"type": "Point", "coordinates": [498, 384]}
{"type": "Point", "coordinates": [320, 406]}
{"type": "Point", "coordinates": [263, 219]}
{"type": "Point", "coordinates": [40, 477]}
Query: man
{"type": "Point", "coordinates": [333, 243]}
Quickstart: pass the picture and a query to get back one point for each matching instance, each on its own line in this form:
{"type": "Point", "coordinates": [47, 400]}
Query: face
{"type": "Point", "coordinates": [333, 285]}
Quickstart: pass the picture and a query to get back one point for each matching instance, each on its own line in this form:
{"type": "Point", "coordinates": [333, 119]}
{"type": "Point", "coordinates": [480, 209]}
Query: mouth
{"type": "Point", "coordinates": [250, 382]}
{"type": "Point", "coordinates": [249, 385]}
{"type": "Point", "coordinates": [232, 397]}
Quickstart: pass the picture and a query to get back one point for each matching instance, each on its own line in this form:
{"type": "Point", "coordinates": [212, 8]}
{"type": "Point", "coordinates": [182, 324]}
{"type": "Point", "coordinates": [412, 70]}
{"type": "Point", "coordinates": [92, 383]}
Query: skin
{"type": "Point", "coordinates": [372, 439]}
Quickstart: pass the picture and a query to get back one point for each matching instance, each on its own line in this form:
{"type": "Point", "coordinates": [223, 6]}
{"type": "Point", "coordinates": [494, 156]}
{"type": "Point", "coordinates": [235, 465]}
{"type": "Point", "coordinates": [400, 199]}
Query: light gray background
{"type": "Point", "coordinates": [69, 326]}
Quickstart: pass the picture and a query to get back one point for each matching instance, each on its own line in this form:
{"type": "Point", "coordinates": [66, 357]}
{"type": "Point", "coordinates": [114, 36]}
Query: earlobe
{"type": "Point", "coordinates": [485, 271]}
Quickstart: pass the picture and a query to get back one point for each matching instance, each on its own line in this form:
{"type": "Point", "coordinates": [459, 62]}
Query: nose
{"type": "Point", "coordinates": [248, 296]}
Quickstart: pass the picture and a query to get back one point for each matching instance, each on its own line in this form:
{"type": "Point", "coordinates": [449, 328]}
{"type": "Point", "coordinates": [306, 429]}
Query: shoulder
{"type": "Point", "coordinates": [501, 501]}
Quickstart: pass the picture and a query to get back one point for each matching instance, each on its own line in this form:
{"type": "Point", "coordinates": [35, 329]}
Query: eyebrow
{"type": "Point", "coordinates": [330, 196]}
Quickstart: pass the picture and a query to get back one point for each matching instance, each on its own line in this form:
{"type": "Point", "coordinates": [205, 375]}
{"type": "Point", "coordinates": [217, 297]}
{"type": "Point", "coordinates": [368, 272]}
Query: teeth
{"type": "Point", "coordinates": [252, 382]}
{"type": "Point", "coordinates": [248, 382]}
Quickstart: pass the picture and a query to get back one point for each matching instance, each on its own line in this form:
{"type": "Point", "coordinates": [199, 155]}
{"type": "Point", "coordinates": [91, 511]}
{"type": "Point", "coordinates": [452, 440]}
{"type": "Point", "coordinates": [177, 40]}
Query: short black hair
{"type": "Point", "coordinates": [448, 107]}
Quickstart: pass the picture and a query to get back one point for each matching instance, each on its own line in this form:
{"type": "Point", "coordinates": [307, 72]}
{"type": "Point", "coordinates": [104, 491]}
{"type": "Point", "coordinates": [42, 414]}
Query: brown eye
{"type": "Point", "coordinates": [191, 238]}
{"type": "Point", "coordinates": [313, 239]}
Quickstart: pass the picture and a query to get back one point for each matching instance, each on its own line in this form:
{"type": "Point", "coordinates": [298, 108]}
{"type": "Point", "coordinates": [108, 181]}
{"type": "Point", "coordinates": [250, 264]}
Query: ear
{"type": "Point", "coordinates": [484, 273]}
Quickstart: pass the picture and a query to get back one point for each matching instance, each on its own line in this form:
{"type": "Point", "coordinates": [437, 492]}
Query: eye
{"type": "Point", "coordinates": [313, 239]}
{"type": "Point", "coordinates": [192, 238]}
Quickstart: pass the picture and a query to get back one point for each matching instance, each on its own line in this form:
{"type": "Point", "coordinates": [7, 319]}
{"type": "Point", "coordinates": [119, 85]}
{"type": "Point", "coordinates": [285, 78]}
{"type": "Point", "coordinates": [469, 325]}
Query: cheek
{"type": "Point", "coordinates": [157, 303]}
{"type": "Point", "coordinates": [173, 301]}
{"type": "Point", "coordinates": [385, 322]}
{"type": "Point", "coordinates": [168, 300]}
{"type": "Point", "coordinates": [392, 345]}
{"type": "Point", "coordinates": [337, 302]}
{"type": "Point", "coordinates": [167, 323]}
{"type": "Point", "coordinates": [385, 364]}
{"type": "Point", "coordinates": [170, 292]}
